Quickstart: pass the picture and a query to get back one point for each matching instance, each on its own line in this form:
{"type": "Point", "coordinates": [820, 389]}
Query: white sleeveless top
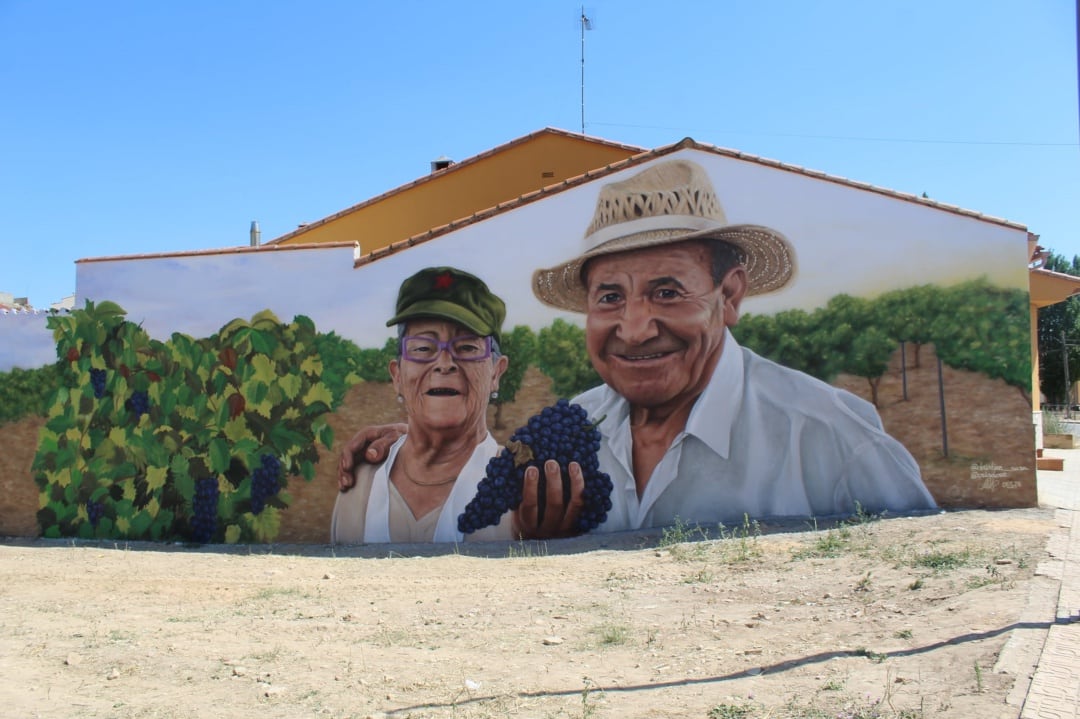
{"type": "Point", "coordinates": [374, 512]}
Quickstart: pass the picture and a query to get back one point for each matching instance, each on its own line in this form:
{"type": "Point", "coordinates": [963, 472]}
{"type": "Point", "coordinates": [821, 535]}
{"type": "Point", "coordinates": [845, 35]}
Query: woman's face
{"type": "Point", "coordinates": [445, 393]}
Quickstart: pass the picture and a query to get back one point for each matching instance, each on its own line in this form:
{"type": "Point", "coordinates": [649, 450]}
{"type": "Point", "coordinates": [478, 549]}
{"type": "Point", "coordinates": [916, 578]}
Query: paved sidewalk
{"type": "Point", "coordinates": [1054, 692]}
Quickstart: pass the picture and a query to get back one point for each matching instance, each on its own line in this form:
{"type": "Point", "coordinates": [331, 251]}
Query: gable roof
{"type": "Point", "coordinates": [454, 168]}
{"type": "Point", "coordinates": [687, 143]}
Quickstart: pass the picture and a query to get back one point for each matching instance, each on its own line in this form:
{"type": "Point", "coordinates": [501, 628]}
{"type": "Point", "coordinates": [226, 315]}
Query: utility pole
{"type": "Point", "coordinates": [586, 24]}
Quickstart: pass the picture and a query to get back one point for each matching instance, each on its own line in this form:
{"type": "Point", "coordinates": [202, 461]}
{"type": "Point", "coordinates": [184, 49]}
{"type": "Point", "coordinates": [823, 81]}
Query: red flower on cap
{"type": "Point", "coordinates": [443, 281]}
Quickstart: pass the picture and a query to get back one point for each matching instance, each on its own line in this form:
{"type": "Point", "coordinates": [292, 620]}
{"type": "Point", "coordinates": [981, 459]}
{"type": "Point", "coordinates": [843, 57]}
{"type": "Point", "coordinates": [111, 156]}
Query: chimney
{"type": "Point", "coordinates": [255, 233]}
{"type": "Point", "coordinates": [441, 163]}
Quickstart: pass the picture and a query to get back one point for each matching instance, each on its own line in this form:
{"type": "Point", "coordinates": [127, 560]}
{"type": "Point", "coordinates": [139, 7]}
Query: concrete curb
{"type": "Point", "coordinates": [1054, 692]}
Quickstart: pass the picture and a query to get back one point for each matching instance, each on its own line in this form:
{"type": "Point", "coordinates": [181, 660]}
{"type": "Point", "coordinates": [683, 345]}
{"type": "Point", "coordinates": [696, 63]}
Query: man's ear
{"type": "Point", "coordinates": [733, 289]}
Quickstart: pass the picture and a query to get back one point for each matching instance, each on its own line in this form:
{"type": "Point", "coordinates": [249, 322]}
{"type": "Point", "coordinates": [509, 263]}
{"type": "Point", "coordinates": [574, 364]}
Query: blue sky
{"type": "Point", "coordinates": [132, 126]}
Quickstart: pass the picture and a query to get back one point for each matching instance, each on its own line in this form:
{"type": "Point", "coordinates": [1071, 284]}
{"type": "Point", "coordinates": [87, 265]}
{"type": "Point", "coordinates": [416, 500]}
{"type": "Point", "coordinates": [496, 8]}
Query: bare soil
{"type": "Point", "coordinates": [894, 617]}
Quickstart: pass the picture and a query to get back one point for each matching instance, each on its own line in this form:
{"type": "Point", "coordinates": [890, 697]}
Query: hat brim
{"type": "Point", "coordinates": [768, 257]}
{"type": "Point", "coordinates": [442, 310]}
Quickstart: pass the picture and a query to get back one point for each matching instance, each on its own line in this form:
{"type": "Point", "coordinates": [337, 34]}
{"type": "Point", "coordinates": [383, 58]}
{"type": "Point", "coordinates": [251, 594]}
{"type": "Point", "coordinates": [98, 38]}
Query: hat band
{"type": "Point", "coordinates": [688, 223]}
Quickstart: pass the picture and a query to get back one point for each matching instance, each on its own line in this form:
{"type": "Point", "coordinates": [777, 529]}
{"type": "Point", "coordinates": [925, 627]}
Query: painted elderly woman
{"type": "Point", "coordinates": [447, 370]}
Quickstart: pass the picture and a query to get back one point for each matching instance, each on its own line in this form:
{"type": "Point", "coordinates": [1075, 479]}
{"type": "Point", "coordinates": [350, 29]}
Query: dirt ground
{"type": "Point", "coordinates": [880, 617]}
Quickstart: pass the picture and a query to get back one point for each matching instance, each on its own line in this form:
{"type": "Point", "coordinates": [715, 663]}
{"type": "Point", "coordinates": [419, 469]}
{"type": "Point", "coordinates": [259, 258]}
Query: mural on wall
{"type": "Point", "coordinates": [839, 371]}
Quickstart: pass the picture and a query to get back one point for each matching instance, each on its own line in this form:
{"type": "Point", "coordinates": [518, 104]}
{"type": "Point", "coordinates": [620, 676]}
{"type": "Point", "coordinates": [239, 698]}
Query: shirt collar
{"type": "Point", "coordinates": [713, 417]}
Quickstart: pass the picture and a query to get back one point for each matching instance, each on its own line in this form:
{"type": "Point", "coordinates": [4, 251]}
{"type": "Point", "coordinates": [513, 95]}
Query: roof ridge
{"type": "Point", "coordinates": [687, 143]}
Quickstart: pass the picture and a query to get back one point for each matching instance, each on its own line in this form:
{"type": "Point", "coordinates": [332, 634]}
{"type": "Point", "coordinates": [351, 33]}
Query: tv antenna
{"type": "Point", "coordinates": [586, 24]}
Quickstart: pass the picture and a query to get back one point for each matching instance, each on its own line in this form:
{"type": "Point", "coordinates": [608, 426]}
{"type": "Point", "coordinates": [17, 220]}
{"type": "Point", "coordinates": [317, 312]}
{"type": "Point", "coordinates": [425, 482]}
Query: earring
{"type": "Point", "coordinates": [495, 394]}
{"type": "Point", "coordinates": [400, 399]}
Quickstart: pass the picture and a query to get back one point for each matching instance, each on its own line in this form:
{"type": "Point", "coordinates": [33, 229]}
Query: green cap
{"type": "Point", "coordinates": [447, 293]}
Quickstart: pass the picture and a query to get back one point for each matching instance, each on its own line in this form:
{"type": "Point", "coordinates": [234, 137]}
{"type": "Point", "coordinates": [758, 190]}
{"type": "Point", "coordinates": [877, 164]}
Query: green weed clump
{"type": "Point", "coordinates": [687, 542]}
{"type": "Point", "coordinates": [831, 544]}
{"type": "Point", "coordinates": [941, 561]}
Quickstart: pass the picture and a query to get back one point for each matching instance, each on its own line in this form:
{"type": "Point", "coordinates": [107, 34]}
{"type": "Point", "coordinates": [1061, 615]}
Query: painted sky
{"type": "Point", "coordinates": [152, 127]}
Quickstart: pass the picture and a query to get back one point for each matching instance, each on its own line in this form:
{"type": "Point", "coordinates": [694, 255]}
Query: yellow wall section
{"type": "Point", "coordinates": [458, 193]}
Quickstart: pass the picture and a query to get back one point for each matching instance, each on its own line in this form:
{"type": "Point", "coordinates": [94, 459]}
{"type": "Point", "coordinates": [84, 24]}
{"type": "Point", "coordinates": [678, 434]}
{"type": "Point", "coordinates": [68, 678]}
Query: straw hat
{"type": "Point", "coordinates": [668, 202]}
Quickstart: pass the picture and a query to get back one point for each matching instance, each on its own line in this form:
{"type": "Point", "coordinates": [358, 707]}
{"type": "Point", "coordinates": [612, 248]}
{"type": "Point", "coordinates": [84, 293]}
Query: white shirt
{"type": "Point", "coordinates": [369, 511]}
{"type": "Point", "coordinates": [762, 440]}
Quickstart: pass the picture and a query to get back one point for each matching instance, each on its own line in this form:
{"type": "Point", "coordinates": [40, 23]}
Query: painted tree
{"type": "Point", "coordinates": [561, 355]}
{"type": "Point", "coordinates": [519, 346]}
{"type": "Point", "coordinates": [986, 329]}
{"type": "Point", "coordinates": [855, 339]}
{"type": "Point", "coordinates": [792, 338]}
{"type": "Point", "coordinates": [25, 393]}
{"type": "Point", "coordinates": [907, 315]}
{"type": "Point", "coordinates": [373, 365]}
{"type": "Point", "coordinates": [341, 360]}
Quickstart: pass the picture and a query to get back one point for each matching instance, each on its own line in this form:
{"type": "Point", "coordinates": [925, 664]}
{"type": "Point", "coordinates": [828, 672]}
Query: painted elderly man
{"type": "Point", "coordinates": [697, 427]}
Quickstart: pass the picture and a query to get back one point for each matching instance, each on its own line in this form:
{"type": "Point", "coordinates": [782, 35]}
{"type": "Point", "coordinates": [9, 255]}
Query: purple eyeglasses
{"type": "Point", "coordinates": [467, 348]}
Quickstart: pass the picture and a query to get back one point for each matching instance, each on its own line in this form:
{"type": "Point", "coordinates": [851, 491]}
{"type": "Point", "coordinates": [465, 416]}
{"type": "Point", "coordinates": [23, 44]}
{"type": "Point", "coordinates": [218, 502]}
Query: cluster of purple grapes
{"type": "Point", "coordinates": [94, 512]}
{"type": "Point", "coordinates": [497, 492]}
{"type": "Point", "coordinates": [265, 482]}
{"type": "Point", "coordinates": [561, 432]}
{"type": "Point", "coordinates": [204, 508]}
{"type": "Point", "coordinates": [97, 381]}
{"type": "Point", "coordinates": [139, 403]}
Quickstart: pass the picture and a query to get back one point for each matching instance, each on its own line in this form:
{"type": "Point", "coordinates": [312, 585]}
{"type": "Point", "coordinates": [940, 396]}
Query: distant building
{"type": "Point", "coordinates": [65, 305]}
{"type": "Point", "coordinates": [11, 303]}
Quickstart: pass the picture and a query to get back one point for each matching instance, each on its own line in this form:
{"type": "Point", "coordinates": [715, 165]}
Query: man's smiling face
{"type": "Point", "coordinates": [655, 323]}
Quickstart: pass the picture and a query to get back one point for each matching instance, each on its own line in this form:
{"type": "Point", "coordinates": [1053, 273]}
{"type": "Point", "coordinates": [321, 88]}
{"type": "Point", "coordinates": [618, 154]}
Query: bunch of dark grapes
{"type": "Point", "coordinates": [94, 512]}
{"type": "Point", "coordinates": [561, 432]}
{"type": "Point", "coordinates": [97, 381]}
{"type": "Point", "coordinates": [139, 403]}
{"type": "Point", "coordinates": [204, 508]}
{"type": "Point", "coordinates": [265, 482]}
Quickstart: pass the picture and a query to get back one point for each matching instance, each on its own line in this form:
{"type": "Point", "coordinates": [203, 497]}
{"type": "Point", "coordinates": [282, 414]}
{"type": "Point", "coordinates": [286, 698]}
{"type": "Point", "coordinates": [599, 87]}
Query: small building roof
{"type": "Point", "coordinates": [1049, 288]}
